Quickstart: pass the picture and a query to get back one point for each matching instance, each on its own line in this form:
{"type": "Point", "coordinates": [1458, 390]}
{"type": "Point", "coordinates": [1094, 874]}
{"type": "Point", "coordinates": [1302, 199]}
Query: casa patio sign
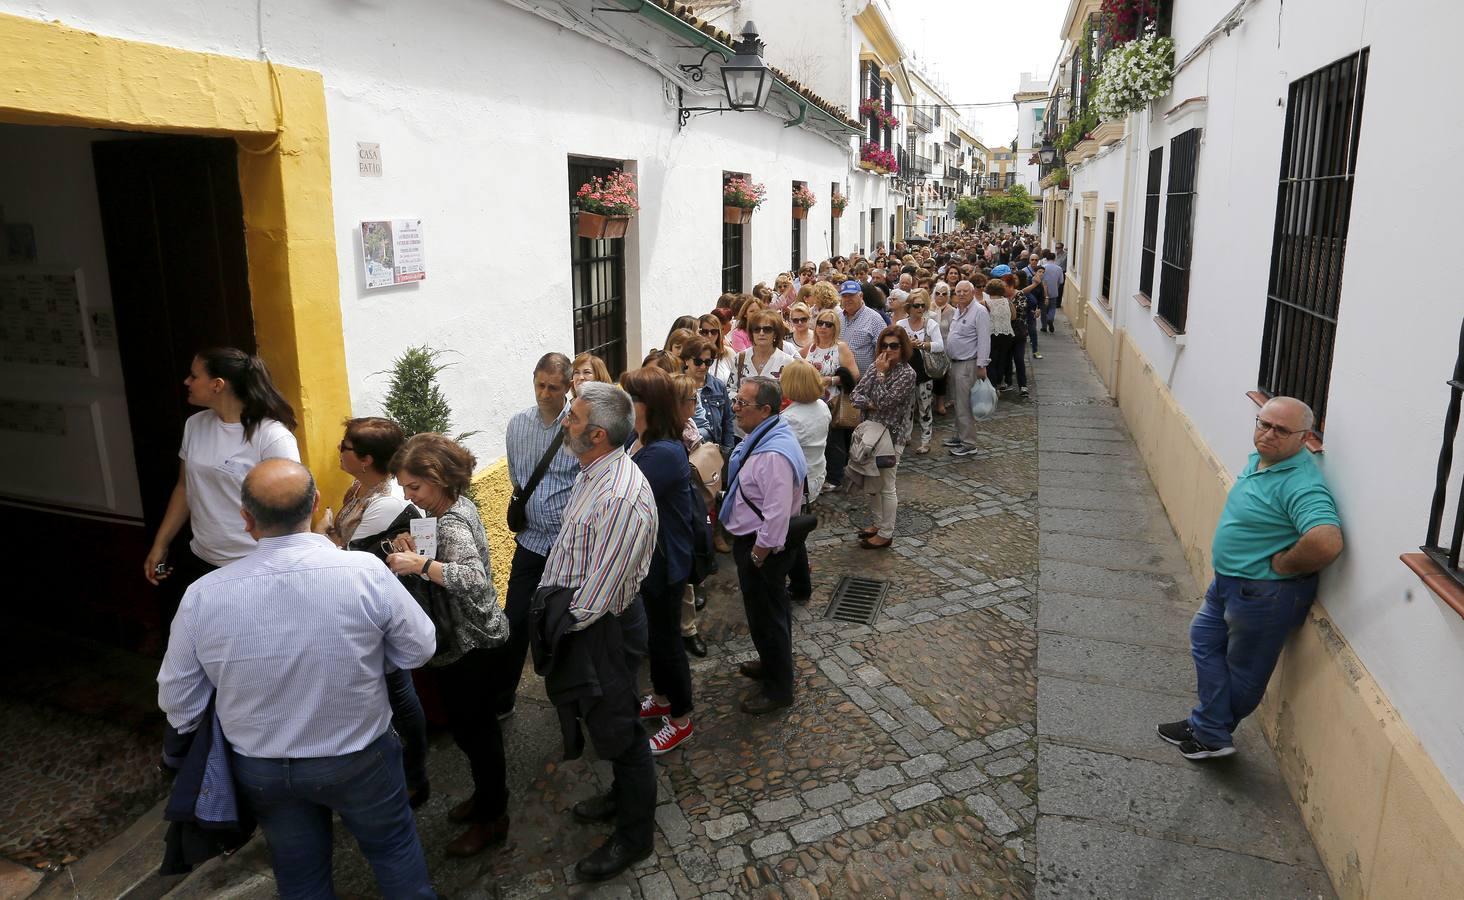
{"type": "Point", "coordinates": [392, 252]}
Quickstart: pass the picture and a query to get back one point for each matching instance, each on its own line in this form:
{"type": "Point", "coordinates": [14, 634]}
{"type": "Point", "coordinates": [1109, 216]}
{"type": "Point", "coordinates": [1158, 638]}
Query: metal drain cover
{"type": "Point", "coordinates": [857, 600]}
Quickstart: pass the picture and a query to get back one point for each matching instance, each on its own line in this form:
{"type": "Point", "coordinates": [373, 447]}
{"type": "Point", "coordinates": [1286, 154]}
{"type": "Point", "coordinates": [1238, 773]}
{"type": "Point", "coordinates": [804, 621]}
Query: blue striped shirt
{"type": "Point", "coordinates": [296, 637]}
{"type": "Point", "coordinates": [606, 539]}
{"type": "Point", "coordinates": [527, 441]}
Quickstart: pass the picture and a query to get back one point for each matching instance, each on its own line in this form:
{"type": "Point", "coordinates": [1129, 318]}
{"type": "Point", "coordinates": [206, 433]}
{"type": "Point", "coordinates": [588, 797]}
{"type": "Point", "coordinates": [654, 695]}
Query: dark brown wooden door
{"type": "Point", "coordinates": [174, 228]}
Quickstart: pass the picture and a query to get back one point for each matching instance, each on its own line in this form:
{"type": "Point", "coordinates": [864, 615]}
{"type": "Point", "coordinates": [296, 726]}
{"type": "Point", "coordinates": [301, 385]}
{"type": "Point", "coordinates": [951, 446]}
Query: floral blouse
{"type": "Point", "coordinates": [888, 399]}
{"type": "Point", "coordinates": [472, 618]}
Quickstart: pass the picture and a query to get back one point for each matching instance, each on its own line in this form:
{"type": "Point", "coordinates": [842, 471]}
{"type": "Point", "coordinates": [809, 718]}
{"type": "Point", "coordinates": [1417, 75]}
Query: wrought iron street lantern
{"type": "Point", "coordinates": [1047, 153]}
{"type": "Point", "coordinates": [749, 80]}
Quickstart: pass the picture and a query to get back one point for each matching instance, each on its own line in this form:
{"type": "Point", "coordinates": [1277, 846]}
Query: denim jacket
{"type": "Point", "coordinates": [718, 408]}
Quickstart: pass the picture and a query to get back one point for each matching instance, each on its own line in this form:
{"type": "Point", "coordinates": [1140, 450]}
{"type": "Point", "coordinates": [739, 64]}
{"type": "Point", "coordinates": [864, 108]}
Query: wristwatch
{"type": "Point", "coordinates": [425, 566]}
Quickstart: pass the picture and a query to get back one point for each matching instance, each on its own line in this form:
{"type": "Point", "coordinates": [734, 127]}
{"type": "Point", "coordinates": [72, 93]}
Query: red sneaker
{"type": "Point", "coordinates": [650, 709]}
{"type": "Point", "coordinates": [669, 737]}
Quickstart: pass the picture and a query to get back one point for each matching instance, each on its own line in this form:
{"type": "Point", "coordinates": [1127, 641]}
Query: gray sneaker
{"type": "Point", "coordinates": [963, 450]}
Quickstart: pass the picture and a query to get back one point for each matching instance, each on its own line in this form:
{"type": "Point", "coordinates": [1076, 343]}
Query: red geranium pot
{"type": "Point", "coordinates": [595, 226]}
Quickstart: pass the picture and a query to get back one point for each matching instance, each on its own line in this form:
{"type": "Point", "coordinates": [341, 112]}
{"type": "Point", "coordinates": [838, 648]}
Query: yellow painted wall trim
{"type": "Point", "coordinates": [52, 74]}
{"type": "Point", "coordinates": [492, 490]}
{"type": "Point", "coordinates": [1385, 821]}
{"type": "Point", "coordinates": [874, 26]}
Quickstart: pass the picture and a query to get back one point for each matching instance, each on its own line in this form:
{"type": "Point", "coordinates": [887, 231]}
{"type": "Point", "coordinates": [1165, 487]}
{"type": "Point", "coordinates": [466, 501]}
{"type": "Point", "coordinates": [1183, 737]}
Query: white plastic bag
{"type": "Point", "coordinates": [983, 399]}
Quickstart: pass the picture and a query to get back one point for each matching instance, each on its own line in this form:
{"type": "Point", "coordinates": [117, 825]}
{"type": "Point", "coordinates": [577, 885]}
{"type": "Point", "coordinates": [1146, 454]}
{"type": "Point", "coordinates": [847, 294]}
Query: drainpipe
{"type": "Point", "coordinates": [1126, 221]}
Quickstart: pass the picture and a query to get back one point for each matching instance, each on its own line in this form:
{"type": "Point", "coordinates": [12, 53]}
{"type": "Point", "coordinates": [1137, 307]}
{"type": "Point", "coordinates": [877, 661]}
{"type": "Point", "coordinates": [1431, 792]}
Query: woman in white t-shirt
{"type": "Point", "coordinates": [245, 420]}
{"type": "Point", "coordinates": [374, 499]}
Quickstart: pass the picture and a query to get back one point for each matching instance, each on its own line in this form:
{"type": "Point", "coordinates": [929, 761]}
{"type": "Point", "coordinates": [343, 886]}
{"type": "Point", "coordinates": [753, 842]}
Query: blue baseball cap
{"type": "Point", "coordinates": [851, 287]}
{"type": "Point", "coordinates": [1001, 270]}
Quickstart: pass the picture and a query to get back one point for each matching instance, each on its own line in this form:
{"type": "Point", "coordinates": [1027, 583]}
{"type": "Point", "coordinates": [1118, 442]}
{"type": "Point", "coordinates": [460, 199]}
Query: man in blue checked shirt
{"type": "Point", "coordinates": [295, 638]}
{"type": "Point", "coordinates": [530, 434]}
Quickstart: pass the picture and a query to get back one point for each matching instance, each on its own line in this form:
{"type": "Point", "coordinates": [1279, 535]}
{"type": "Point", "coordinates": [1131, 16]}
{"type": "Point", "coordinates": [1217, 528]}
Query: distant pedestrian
{"type": "Point", "coordinates": [1279, 529]}
{"type": "Point", "coordinates": [292, 642]}
{"type": "Point", "coordinates": [886, 393]}
{"type": "Point", "coordinates": [969, 348]}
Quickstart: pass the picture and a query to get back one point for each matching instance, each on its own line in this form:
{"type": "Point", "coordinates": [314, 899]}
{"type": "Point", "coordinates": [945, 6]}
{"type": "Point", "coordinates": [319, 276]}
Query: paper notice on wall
{"type": "Point", "coordinates": [424, 535]}
{"type": "Point", "coordinates": [393, 252]}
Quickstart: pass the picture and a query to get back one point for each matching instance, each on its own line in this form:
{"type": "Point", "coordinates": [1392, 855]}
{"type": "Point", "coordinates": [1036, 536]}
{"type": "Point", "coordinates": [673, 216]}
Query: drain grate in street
{"type": "Point", "coordinates": [857, 600]}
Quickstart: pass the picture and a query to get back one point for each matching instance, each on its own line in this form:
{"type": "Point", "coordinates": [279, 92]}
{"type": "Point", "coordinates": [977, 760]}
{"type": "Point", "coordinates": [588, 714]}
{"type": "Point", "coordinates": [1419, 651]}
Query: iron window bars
{"type": "Point", "coordinates": [1179, 225]}
{"type": "Point", "coordinates": [1313, 210]}
{"type": "Point", "coordinates": [1151, 222]}
{"type": "Point", "coordinates": [1447, 557]}
{"type": "Point", "coordinates": [597, 270]}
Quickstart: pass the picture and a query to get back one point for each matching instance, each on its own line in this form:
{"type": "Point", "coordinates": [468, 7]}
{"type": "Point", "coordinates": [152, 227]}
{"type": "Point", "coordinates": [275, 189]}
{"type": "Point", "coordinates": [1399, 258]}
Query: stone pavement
{"type": "Point", "coordinates": [1122, 813]}
{"type": "Point", "coordinates": [906, 767]}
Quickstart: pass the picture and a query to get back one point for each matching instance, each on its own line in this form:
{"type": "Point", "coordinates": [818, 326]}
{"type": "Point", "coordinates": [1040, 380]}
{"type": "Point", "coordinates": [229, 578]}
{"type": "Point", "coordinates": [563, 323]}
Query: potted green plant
{"type": "Point", "coordinates": [740, 199]}
{"type": "Point", "coordinates": [605, 205]}
{"type": "Point", "coordinates": [803, 201]}
{"type": "Point", "coordinates": [837, 204]}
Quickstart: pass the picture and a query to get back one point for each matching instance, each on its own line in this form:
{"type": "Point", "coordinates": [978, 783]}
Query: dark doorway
{"type": "Point", "coordinates": [173, 223]}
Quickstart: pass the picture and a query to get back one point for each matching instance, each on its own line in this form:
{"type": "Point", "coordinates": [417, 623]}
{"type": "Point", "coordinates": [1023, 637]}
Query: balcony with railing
{"type": "Point", "coordinates": [922, 120]}
{"type": "Point", "coordinates": [955, 173]}
{"type": "Point", "coordinates": [953, 139]}
{"type": "Point", "coordinates": [920, 165]}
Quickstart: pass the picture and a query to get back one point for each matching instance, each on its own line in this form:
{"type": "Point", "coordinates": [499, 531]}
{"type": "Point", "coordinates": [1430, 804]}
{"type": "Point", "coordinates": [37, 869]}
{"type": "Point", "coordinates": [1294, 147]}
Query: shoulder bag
{"type": "Point", "coordinates": [518, 505]}
{"type": "Point", "coordinates": [800, 525]}
{"type": "Point", "coordinates": [937, 363]}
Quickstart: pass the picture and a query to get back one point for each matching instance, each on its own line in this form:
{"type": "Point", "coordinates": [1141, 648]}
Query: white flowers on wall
{"type": "Point", "coordinates": [1133, 74]}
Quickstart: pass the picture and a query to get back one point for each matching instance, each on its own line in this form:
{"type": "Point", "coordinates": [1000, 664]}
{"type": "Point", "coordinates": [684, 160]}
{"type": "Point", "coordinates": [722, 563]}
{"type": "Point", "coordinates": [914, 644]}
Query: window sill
{"type": "Point", "coordinates": [1259, 398]}
{"type": "Point", "coordinates": [1105, 303]}
{"type": "Point", "coordinates": [1170, 331]}
{"type": "Point", "coordinates": [1143, 300]}
{"type": "Point", "coordinates": [1433, 577]}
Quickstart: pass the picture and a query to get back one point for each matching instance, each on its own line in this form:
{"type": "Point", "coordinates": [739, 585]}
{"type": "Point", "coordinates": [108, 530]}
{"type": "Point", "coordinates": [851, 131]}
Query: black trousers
{"type": "Point", "coordinates": [670, 671]}
{"type": "Point", "coordinates": [633, 769]}
{"type": "Point", "coordinates": [765, 600]}
{"type": "Point", "coordinates": [508, 658]}
{"type": "Point", "coordinates": [800, 574]}
{"type": "Point", "coordinates": [836, 453]}
{"type": "Point", "coordinates": [475, 730]}
{"type": "Point", "coordinates": [410, 724]}
{"type": "Point", "coordinates": [1001, 357]}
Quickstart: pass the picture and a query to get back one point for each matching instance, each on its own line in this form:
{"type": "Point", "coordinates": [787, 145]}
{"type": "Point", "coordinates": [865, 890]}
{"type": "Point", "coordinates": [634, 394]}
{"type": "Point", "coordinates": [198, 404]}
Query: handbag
{"type": "Point", "coordinates": [518, 504]}
{"type": "Point", "coordinates": [844, 414]}
{"type": "Point", "coordinates": [937, 363]}
{"type": "Point", "coordinates": [706, 465]}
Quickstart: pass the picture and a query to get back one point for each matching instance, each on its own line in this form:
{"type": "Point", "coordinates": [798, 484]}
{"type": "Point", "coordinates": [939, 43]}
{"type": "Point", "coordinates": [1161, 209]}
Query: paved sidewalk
{"type": "Point", "coordinates": [1122, 814]}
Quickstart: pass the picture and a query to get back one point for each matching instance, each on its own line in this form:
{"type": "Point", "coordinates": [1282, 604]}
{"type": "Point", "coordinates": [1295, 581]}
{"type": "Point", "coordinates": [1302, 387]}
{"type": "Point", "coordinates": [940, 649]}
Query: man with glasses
{"type": "Point", "coordinates": [969, 347]}
{"type": "Point", "coordinates": [1279, 529]}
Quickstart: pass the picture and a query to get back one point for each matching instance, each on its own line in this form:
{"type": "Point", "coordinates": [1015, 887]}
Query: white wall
{"type": "Point", "coordinates": [475, 140]}
{"type": "Point", "coordinates": [1387, 398]}
{"type": "Point", "coordinates": [47, 180]}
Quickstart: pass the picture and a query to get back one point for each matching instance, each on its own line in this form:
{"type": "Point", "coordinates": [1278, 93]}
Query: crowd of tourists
{"type": "Point", "coordinates": [289, 662]}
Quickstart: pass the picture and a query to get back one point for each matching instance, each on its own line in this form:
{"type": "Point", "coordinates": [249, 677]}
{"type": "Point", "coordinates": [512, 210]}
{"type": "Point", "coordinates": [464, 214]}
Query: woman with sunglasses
{"type": "Point", "coordinates": [836, 366]}
{"type": "Point", "coordinates": [800, 321]}
{"type": "Point", "coordinates": [739, 338]}
{"type": "Point", "coordinates": [698, 356]}
{"type": "Point", "coordinates": [942, 311]}
{"type": "Point", "coordinates": [766, 355]}
{"type": "Point", "coordinates": [709, 328]}
{"type": "Point", "coordinates": [886, 393]}
{"type": "Point", "coordinates": [924, 335]}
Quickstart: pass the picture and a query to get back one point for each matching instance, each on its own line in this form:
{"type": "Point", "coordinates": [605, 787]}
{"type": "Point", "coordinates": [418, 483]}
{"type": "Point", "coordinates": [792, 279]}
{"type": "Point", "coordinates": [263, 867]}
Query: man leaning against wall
{"type": "Point", "coordinates": [1278, 530]}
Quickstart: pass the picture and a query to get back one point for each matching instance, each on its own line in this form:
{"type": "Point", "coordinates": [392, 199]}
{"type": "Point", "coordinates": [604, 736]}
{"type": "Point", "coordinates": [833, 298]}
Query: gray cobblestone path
{"type": "Point", "coordinates": [1122, 813]}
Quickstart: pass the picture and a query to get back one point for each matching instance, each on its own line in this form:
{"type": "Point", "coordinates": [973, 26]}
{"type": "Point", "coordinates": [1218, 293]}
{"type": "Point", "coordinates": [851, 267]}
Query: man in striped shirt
{"type": "Point", "coordinates": [603, 552]}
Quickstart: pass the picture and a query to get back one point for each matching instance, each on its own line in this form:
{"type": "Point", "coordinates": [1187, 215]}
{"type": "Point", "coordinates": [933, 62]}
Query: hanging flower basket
{"type": "Point", "coordinates": [598, 227]}
{"type": "Point", "coordinates": [605, 206]}
{"type": "Point", "coordinates": [803, 200]}
{"type": "Point", "coordinates": [837, 204]}
{"type": "Point", "coordinates": [800, 212]}
{"type": "Point", "coordinates": [1134, 74]}
{"type": "Point", "coordinates": [866, 165]}
{"type": "Point", "coordinates": [740, 199]}
{"type": "Point", "coordinates": [837, 212]}
{"type": "Point", "coordinates": [736, 215]}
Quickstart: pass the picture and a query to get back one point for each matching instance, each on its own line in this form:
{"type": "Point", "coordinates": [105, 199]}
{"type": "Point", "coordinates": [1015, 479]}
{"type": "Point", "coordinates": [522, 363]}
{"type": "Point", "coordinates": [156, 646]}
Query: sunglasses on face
{"type": "Point", "coordinates": [802, 321]}
{"type": "Point", "coordinates": [343, 447]}
{"type": "Point", "coordinates": [711, 332]}
{"type": "Point", "coordinates": [894, 346]}
{"type": "Point", "coordinates": [763, 329]}
{"type": "Point", "coordinates": [917, 305]}
{"type": "Point", "coordinates": [699, 362]}
{"type": "Point", "coordinates": [825, 324]}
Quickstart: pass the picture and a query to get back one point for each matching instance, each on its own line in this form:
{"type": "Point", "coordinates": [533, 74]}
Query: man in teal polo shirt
{"type": "Point", "coordinates": [1279, 529]}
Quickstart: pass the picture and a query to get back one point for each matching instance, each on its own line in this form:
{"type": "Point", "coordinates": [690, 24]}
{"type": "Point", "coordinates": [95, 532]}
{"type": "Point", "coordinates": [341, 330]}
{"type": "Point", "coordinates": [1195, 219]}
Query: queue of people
{"type": "Point", "coordinates": [625, 490]}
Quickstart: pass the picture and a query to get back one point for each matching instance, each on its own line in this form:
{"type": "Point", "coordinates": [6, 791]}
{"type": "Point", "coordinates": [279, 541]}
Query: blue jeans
{"type": "Point", "coordinates": [294, 799]}
{"type": "Point", "coordinates": [410, 723]}
{"type": "Point", "coordinates": [1236, 638]}
{"type": "Point", "coordinates": [1033, 326]}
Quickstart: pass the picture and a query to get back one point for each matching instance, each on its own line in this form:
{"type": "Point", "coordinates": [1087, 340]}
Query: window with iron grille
{"type": "Point", "coordinates": [1313, 208]}
{"type": "Point", "coordinates": [732, 236]}
{"type": "Point", "coordinates": [598, 279]}
{"type": "Point", "coordinates": [889, 107]}
{"type": "Point", "coordinates": [1447, 555]}
{"type": "Point", "coordinates": [1151, 222]}
{"type": "Point", "coordinates": [797, 234]}
{"type": "Point", "coordinates": [833, 221]}
{"type": "Point", "coordinates": [1179, 224]}
{"type": "Point", "coordinates": [1106, 291]}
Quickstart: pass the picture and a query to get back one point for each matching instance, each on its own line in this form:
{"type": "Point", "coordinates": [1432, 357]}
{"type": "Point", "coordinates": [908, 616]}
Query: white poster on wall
{"type": "Point", "coordinates": [392, 252]}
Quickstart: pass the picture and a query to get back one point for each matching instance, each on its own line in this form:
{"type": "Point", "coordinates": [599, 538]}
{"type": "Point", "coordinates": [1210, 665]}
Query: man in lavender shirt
{"type": "Point", "coordinates": [765, 488]}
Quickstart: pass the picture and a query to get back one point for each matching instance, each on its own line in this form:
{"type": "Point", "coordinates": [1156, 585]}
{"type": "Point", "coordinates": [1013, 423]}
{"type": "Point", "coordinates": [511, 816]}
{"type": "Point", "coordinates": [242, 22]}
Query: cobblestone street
{"type": "Point", "coordinates": [907, 765]}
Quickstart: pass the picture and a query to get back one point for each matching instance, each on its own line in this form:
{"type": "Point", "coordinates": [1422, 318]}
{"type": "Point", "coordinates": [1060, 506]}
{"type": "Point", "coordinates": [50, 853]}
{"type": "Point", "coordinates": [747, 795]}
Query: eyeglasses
{"type": "Point", "coordinates": [1281, 432]}
{"type": "Point", "coordinates": [824, 323]}
{"type": "Point", "coordinates": [917, 305]}
{"type": "Point", "coordinates": [738, 402]}
{"type": "Point", "coordinates": [894, 346]}
{"type": "Point", "coordinates": [707, 361]}
{"type": "Point", "coordinates": [343, 447]}
{"type": "Point", "coordinates": [763, 329]}
{"type": "Point", "coordinates": [802, 321]}
{"type": "Point", "coordinates": [710, 332]}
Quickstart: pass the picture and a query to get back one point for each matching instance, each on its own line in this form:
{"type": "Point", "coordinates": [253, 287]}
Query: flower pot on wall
{"type": "Point", "coordinates": [800, 212]}
{"type": "Point", "coordinates": [838, 213]}
{"type": "Point", "coordinates": [736, 215]}
{"type": "Point", "coordinates": [597, 227]}
{"type": "Point", "coordinates": [866, 165]}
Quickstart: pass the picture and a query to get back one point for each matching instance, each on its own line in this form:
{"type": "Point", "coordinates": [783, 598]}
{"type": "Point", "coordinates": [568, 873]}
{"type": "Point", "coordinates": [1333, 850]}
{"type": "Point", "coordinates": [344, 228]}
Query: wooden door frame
{"type": "Point", "coordinates": [68, 77]}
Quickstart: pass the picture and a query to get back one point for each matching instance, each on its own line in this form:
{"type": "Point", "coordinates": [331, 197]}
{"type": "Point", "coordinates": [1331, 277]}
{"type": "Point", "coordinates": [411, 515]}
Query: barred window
{"type": "Point", "coordinates": [1179, 224]}
{"type": "Point", "coordinates": [1151, 222]}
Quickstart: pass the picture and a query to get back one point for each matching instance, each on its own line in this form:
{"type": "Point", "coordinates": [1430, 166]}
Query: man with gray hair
{"type": "Point", "coordinates": [534, 441]}
{"type": "Point", "coordinates": [969, 347]}
{"type": "Point", "coordinates": [292, 641]}
{"type": "Point", "coordinates": [764, 490]}
{"type": "Point", "coordinates": [1279, 529]}
{"type": "Point", "coordinates": [602, 554]}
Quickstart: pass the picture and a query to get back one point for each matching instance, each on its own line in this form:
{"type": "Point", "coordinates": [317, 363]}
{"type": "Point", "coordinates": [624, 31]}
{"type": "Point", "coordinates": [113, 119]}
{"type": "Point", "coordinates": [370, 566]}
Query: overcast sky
{"type": "Point", "coordinates": [981, 49]}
